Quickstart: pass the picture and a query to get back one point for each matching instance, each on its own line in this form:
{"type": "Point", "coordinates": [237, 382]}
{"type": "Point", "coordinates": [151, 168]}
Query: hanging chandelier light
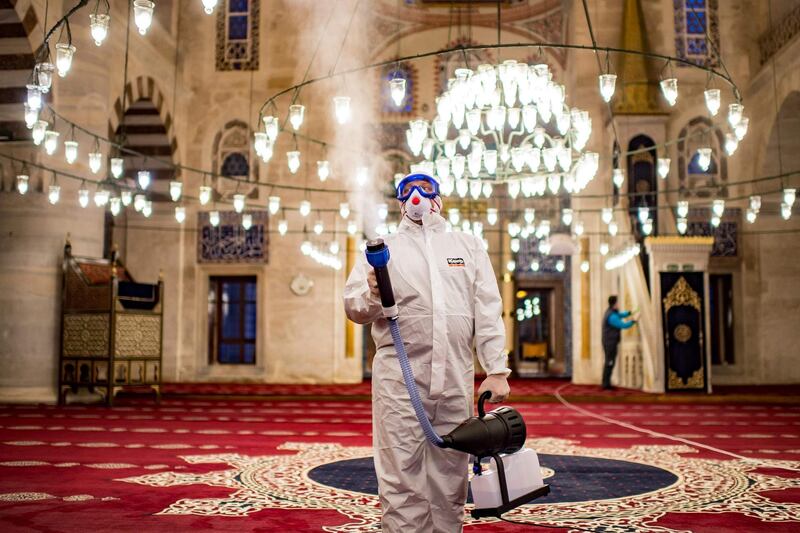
{"type": "Point", "coordinates": [510, 122]}
{"type": "Point", "coordinates": [98, 24]}
{"type": "Point", "coordinates": [64, 53]}
{"type": "Point", "coordinates": [143, 14]}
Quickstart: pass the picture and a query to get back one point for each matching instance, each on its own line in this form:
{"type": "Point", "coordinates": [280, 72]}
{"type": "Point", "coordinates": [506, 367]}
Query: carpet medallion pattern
{"type": "Point", "coordinates": [621, 490]}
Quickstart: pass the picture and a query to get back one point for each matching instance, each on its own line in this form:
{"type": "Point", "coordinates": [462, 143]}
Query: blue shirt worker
{"type": "Point", "coordinates": [613, 324]}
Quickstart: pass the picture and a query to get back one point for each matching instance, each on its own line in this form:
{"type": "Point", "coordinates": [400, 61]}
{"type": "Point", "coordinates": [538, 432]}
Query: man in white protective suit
{"type": "Point", "coordinates": [448, 299]}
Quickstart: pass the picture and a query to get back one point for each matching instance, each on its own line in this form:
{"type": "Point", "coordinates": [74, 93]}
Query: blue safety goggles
{"type": "Point", "coordinates": [405, 189]}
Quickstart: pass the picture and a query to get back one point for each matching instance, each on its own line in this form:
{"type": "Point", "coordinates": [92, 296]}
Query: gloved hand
{"type": "Point", "coordinates": [497, 384]}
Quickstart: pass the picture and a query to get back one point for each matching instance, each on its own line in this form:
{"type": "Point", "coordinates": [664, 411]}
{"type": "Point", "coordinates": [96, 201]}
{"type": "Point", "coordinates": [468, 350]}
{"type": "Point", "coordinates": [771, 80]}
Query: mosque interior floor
{"type": "Point", "coordinates": [303, 463]}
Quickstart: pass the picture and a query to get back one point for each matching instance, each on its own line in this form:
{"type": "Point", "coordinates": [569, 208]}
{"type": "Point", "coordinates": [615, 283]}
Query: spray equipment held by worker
{"type": "Point", "coordinates": [513, 477]}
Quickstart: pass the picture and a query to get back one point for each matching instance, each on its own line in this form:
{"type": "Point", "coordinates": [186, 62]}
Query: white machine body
{"type": "Point", "coordinates": [523, 476]}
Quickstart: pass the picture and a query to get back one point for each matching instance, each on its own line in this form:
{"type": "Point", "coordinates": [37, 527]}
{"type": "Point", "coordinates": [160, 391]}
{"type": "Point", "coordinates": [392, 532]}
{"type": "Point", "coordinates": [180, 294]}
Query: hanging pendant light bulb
{"type": "Point", "coordinates": [704, 158]}
{"type": "Point", "coordinates": [306, 247]}
{"type": "Point", "coordinates": [397, 89]}
{"type": "Point", "coordinates": [755, 203]}
{"type": "Point", "coordinates": [612, 228]}
{"type": "Point", "coordinates": [143, 177]}
{"type": "Point", "coordinates": [143, 14]}
{"type": "Point", "coordinates": [64, 53]}
{"type": "Point", "coordinates": [205, 194]}
{"type": "Point", "coordinates": [644, 214]}
{"type": "Point", "coordinates": [271, 127]}
{"type": "Point", "coordinates": [273, 204]}
{"type": "Point", "coordinates": [584, 266]}
{"type": "Point", "coordinates": [209, 5]}
{"type": "Point", "coordinates": [608, 83]}
{"type": "Point", "coordinates": [247, 221]}
{"type": "Point", "coordinates": [22, 183]}
{"type": "Point", "coordinates": [34, 97]}
{"type": "Point", "coordinates": [718, 207]}
{"type": "Point", "coordinates": [98, 24]}
{"type": "Point", "coordinates": [293, 161]}
{"type": "Point", "coordinates": [70, 151]}
{"type": "Point", "coordinates": [713, 97]}
{"type": "Point", "coordinates": [53, 194]}
{"type": "Point", "coordinates": [101, 197]}
{"type": "Point", "coordinates": [618, 177]}
{"type": "Point", "coordinates": [323, 170]}
{"type": "Point", "coordinates": [663, 167]}
{"type": "Point", "coordinates": [529, 215]}
{"type": "Point", "coordinates": [95, 162]}
{"type": "Point", "coordinates": [305, 208]}
{"type": "Point", "coordinates": [487, 189]}
{"type": "Point", "coordinates": [31, 116]}
{"type": "Point", "coordinates": [126, 197]}
{"type": "Point", "coordinates": [213, 218]}
{"type": "Point", "coordinates": [715, 220]}
{"type": "Point", "coordinates": [647, 227]}
{"type": "Point", "coordinates": [607, 215]}
{"type": "Point", "coordinates": [731, 143]}
{"type": "Point", "coordinates": [147, 210]}
{"type": "Point", "coordinates": [786, 211]}
{"type": "Point", "coordinates": [789, 196]}
{"type": "Point", "coordinates": [751, 215]}
{"type": "Point", "coordinates": [318, 227]}
{"type": "Point", "coordinates": [83, 196]}
{"type": "Point", "coordinates": [44, 74]}
{"type": "Point", "coordinates": [333, 247]}
{"type": "Point", "coordinates": [38, 131]}
{"type": "Point", "coordinates": [603, 248]}
{"type": "Point", "coordinates": [180, 212]}
{"type": "Point", "coordinates": [741, 128]}
{"type": "Point", "coordinates": [50, 142]}
{"type": "Point", "coordinates": [341, 105]}
{"type": "Point", "coordinates": [535, 265]}
{"type": "Point", "coordinates": [683, 209]}
{"type": "Point", "coordinates": [138, 202]}
{"type": "Point", "coordinates": [238, 202]}
{"type": "Point", "coordinates": [515, 245]}
{"type": "Point", "coordinates": [352, 227]}
{"type": "Point", "coordinates": [344, 210]}
{"type": "Point", "coordinates": [735, 112]}
{"type": "Point", "coordinates": [682, 225]}
{"type": "Point", "coordinates": [175, 190]}
{"type": "Point", "coordinates": [578, 228]}
{"type": "Point", "coordinates": [566, 216]}
{"type": "Point", "coordinates": [491, 216]}
{"type": "Point", "coordinates": [117, 167]}
{"type": "Point", "coordinates": [511, 266]}
{"type": "Point", "coordinates": [283, 226]}
{"type": "Point", "coordinates": [115, 206]}
{"type": "Point", "coordinates": [669, 88]}
{"type": "Point", "coordinates": [296, 115]}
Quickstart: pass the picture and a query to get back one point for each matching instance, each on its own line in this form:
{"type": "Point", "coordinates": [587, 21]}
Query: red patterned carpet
{"type": "Point", "coordinates": [303, 465]}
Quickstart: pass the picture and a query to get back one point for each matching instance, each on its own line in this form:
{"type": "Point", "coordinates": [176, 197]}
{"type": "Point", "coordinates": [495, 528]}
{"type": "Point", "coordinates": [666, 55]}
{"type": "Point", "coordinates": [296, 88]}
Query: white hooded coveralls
{"type": "Point", "coordinates": [447, 293]}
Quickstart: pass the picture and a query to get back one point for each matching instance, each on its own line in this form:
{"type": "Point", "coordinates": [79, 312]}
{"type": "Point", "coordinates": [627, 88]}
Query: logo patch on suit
{"type": "Point", "coordinates": [455, 261]}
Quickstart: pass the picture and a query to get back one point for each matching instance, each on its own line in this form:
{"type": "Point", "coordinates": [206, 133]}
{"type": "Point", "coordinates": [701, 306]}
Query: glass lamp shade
{"type": "Point", "coordinates": [584, 266]}
{"type": "Point", "coordinates": [34, 97]}
{"type": "Point", "coordinates": [718, 207]}
{"type": "Point", "coordinates": [566, 216]}
{"type": "Point", "coordinates": [101, 197]}
{"type": "Point", "coordinates": [205, 194]}
{"type": "Point", "coordinates": [607, 215]}
{"type": "Point", "coordinates": [305, 208]}
{"type": "Point", "coordinates": [70, 151]}
{"type": "Point", "coordinates": [143, 178]}
{"type": "Point", "coordinates": [682, 225]}
{"type": "Point", "coordinates": [50, 142]}
{"type": "Point", "coordinates": [535, 266]}
{"type": "Point", "coordinates": [126, 197]}
{"type": "Point", "coordinates": [511, 266]}
{"type": "Point", "coordinates": [731, 143]}
{"type": "Point", "coordinates": [274, 204]}
{"type": "Point", "coordinates": [514, 245]}
{"type": "Point", "coordinates": [306, 248]}
{"type": "Point", "coordinates": [578, 228]}
{"type": "Point", "coordinates": [397, 89]}
{"type": "Point", "coordinates": [247, 221]}
{"type": "Point", "coordinates": [95, 162]}
{"type": "Point", "coordinates": [143, 14]}
{"type": "Point", "coordinates": [175, 190]}
{"type": "Point", "coordinates": [786, 211]}
{"type": "Point", "coordinates": [669, 88]}
{"type": "Point", "coordinates": [751, 215]}
{"type": "Point", "coordinates": [704, 158]}
{"type": "Point", "coordinates": [319, 227]}
{"type": "Point", "coordinates": [789, 196]}
{"type": "Point", "coordinates": [529, 215]}
{"type": "Point", "coordinates": [344, 210]}
{"type": "Point", "coordinates": [53, 194]}
{"type": "Point", "coordinates": [213, 218]}
{"type": "Point", "coordinates": [296, 115]}
{"type": "Point", "coordinates": [663, 167]}
{"type": "Point", "coordinates": [683, 209]}
{"type": "Point", "coordinates": [715, 220]}
{"type": "Point", "coordinates": [260, 142]}
{"type": "Point", "coordinates": [22, 183]}
{"type": "Point", "coordinates": [491, 216]}
{"type": "Point", "coordinates": [612, 228]}
{"type": "Point", "coordinates": [138, 202]}
{"type": "Point", "coordinates": [44, 74]}
{"type": "Point", "coordinates": [333, 247]}
{"type": "Point", "coordinates": [603, 248]}
{"type": "Point", "coordinates": [713, 101]}
{"type": "Point", "coordinates": [647, 227]}
{"type": "Point", "coordinates": [117, 166]}
{"type": "Point", "coordinates": [341, 105]}
{"type": "Point", "coordinates": [239, 202]}
{"type": "Point", "coordinates": [283, 226]}
{"type": "Point", "coordinates": [741, 128]}
{"type": "Point", "coordinates": [209, 5]}
{"type": "Point", "coordinates": [64, 53]}
{"type": "Point", "coordinates": [115, 206]}
{"type": "Point", "coordinates": [735, 112]}
{"type": "Point", "coordinates": [98, 24]}
{"type": "Point", "coordinates": [83, 197]}
{"type": "Point", "coordinates": [755, 203]}
{"type": "Point", "coordinates": [271, 127]}
{"type": "Point", "coordinates": [180, 214]}
{"type": "Point", "coordinates": [31, 116]}
{"type": "Point", "coordinates": [293, 161]}
{"type": "Point", "coordinates": [618, 177]}
{"type": "Point", "coordinates": [323, 170]}
{"type": "Point", "coordinates": [644, 214]}
{"type": "Point", "coordinates": [352, 227]}
{"type": "Point", "coordinates": [38, 131]}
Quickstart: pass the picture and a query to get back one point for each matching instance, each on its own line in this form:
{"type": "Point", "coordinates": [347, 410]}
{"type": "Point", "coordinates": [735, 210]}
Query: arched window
{"type": "Point", "coordinates": [693, 180]}
{"type": "Point", "coordinates": [391, 72]}
{"type": "Point", "coordinates": [237, 35]}
{"type": "Point", "coordinates": [695, 22]}
{"type": "Point", "coordinates": [235, 166]}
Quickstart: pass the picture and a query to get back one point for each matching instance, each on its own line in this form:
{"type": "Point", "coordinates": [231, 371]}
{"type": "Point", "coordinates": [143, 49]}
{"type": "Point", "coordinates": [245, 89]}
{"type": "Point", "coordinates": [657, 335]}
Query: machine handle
{"type": "Point", "coordinates": [485, 396]}
{"type": "Point", "coordinates": [378, 258]}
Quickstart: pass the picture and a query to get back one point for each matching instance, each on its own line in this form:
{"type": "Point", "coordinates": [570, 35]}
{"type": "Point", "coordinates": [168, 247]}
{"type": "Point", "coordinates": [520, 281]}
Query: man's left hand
{"type": "Point", "coordinates": [497, 384]}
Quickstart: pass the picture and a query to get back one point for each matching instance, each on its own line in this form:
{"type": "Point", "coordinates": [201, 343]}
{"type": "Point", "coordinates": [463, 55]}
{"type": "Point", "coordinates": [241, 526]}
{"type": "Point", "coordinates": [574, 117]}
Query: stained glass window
{"type": "Point", "coordinates": [237, 35]}
{"type": "Point", "coordinates": [697, 31]}
{"type": "Point", "coordinates": [397, 71]}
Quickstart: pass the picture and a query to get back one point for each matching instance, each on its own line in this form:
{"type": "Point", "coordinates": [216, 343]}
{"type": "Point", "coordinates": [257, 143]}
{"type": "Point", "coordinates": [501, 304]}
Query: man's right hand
{"type": "Point", "coordinates": [373, 283]}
